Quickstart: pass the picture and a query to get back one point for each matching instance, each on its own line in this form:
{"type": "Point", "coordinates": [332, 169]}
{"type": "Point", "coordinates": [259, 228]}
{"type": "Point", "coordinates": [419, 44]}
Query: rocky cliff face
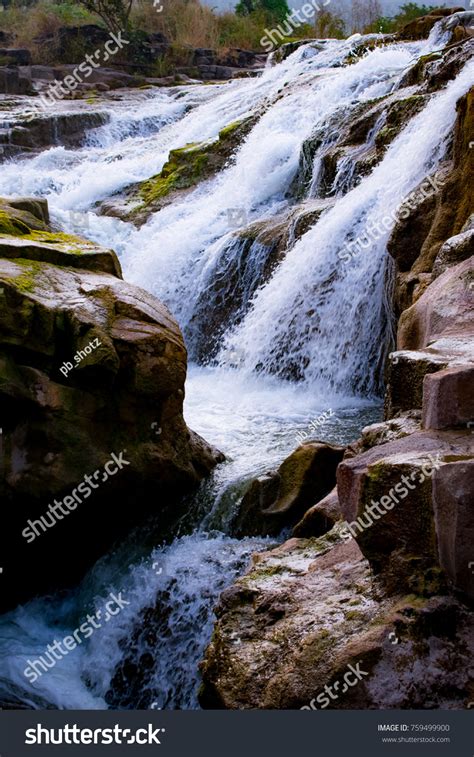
{"type": "Point", "coordinates": [92, 369]}
{"type": "Point", "coordinates": [381, 577]}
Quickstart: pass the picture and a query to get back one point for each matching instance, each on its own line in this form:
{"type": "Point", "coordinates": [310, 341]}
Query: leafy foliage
{"type": "Point", "coordinates": [329, 25]}
{"type": "Point", "coordinates": [408, 12]}
{"type": "Point", "coordinates": [276, 9]}
{"type": "Point", "coordinates": [114, 13]}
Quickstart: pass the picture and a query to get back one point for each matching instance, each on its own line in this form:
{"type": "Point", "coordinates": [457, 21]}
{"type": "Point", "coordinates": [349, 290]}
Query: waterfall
{"type": "Point", "coordinates": [279, 283]}
{"type": "Point", "coordinates": [289, 329]}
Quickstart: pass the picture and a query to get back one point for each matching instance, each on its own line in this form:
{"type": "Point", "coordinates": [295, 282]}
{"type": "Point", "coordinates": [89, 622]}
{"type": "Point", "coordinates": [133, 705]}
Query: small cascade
{"type": "Point", "coordinates": [277, 272]}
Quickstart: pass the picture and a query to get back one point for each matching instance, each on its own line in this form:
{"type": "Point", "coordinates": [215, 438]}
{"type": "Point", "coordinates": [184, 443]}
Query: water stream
{"type": "Point", "coordinates": [284, 327]}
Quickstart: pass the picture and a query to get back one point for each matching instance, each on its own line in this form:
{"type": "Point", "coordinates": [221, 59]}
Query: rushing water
{"type": "Point", "coordinates": [316, 317]}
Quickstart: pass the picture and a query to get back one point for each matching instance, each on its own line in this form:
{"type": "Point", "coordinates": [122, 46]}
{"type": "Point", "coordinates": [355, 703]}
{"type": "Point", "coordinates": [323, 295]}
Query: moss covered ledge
{"type": "Point", "coordinates": [196, 161]}
{"type": "Point", "coordinates": [185, 168]}
{"type": "Point", "coordinates": [24, 235]}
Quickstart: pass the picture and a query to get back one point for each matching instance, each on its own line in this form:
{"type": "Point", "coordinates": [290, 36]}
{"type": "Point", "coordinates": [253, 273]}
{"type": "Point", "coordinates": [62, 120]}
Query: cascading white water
{"type": "Point", "coordinates": [290, 326]}
{"type": "Point", "coordinates": [315, 316]}
{"type": "Point", "coordinates": [160, 637]}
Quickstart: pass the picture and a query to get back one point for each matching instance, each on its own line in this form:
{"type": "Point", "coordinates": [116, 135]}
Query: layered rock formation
{"type": "Point", "coordinates": [380, 578]}
{"type": "Point", "coordinates": [185, 168]}
{"type": "Point", "coordinates": [45, 129]}
{"type": "Point", "coordinates": [136, 66]}
{"type": "Point", "coordinates": [91, 369]}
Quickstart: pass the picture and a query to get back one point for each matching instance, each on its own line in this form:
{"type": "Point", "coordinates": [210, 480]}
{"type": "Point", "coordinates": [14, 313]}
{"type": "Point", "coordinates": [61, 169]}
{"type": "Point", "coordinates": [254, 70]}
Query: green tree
{"type": "Point", "coordinates": [114, 13]}
{"type": "Point", "coordinates": [328, 25]}
{"type": "Point", "coordinates": [276, 9]}
{"type": "Point", "coordinates": [410, 11]}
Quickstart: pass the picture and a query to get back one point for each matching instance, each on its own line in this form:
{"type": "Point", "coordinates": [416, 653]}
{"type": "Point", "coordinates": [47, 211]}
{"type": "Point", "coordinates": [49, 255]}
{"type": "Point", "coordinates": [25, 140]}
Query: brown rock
{"type": "Point", "coordinates": [67, 406]}
{"type": "Point", "coordinates": [414, 222]}
{"type": "Point", "coordinates": [280, 499]}
{"type": "Point", "coordinates": [420, 27]}
{"type": "Point", "coordinates": [406, 371]}
{"type": "Point", "coordinates": [453, 490]}
{"type": "Point", "coordinates": [307, 611]}
{"type": "Point", "coordinates": [448, 398]}
{"type": "Point", "coordinates": [456, 198]}
{"type": "Point", "coordinates": [444, 310]}
{"type": "Point", "coordinates": [320, 518]}
{"type": "Point", "coordinates": [385, 495]}
{"type": "Point", "coordinates": [432, 217]}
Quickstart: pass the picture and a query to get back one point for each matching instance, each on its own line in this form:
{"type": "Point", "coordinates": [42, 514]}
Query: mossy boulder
{"type": "Point", "coordinates": [89, 366]}
{"type": "Point", "coordinates": [23, 215]}
{"type": "Point", "coordinates": [59, 249]}
{"type": "Point", "coordinates": [398, 114]}
{"type": "Point", "coordinates": [189, 165]}
{"type": "Point", "coordinates": [280, 498]}
{"type": "Point", "coordinates": [386, 496]}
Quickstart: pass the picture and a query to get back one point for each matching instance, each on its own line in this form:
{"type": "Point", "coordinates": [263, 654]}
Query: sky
{"type": "Point", "coordinates": [388, 6]}
{"type": "Point", "coordinates": [226, 4]}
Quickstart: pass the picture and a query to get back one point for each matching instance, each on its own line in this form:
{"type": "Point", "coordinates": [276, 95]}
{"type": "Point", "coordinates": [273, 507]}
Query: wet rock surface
{"type": "Point", "coordinates": [89, 366]}
{"type": "Point", "coordinates": [281, 497]}
{"type": "Point", "coordinates": [379, 578]}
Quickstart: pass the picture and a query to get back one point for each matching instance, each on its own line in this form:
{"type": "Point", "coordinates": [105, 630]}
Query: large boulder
{"type": "Point", "coordinates": [280, 498]}
{"type": "Point", "coordinates": [306, 629]}
{"type": "Point", "coordinates": [320, 518]}
{"type": "Point", "coordinates": [92, 369]}
{"type": "Point", "coordinates": [386, 497]}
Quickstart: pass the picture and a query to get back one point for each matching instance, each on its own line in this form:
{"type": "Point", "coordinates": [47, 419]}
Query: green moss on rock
{"type": "Point", "coordinates": [185, 168]}
{"type": "Point", "coordinates": [12, 226]}
{"type": "Point", "coordinates": [196, 161]}
{"type": "Point", "coordinates": [400, 112]}
{"type": "Point", "coordinates": [25, 282]}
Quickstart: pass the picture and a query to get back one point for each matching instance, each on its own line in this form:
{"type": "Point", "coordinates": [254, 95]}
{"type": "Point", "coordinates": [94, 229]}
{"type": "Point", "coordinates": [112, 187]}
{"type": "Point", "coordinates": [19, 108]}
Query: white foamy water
{"type": "Point", "coordinates": [315, 317]}
{"type": "Point", "coordinates": [292, 323]}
